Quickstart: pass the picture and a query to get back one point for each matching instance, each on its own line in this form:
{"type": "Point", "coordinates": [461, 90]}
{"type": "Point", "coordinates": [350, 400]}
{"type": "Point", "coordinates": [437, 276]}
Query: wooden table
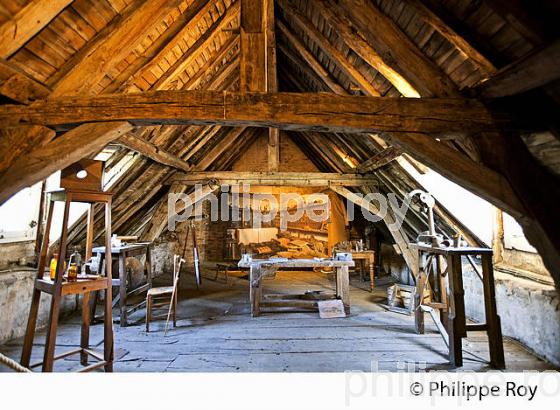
{"type": "Point", "coordinates": [260, 268]}
{"type": "Point", "coordinates": [364, 256]}
{"type": "Point", "coordinates": [449, 295]}
{"type": "Point", "coordinates": [123, 252]}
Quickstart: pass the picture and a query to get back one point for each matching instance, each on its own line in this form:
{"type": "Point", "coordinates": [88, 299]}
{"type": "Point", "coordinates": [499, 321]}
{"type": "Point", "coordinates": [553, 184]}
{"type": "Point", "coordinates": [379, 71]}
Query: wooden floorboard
{"type": "Point", "coordinates": [216, 333]}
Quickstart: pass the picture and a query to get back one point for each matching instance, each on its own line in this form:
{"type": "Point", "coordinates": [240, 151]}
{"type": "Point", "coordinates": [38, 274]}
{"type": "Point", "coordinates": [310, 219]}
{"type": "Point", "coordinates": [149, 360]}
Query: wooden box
{"type": "Point", "coordinates": [84, 175]}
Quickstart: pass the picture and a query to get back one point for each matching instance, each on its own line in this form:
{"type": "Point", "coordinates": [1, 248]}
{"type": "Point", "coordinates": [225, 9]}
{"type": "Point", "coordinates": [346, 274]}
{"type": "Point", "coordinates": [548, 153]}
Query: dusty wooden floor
{"type": "Point", "coordinates": [215, 333]}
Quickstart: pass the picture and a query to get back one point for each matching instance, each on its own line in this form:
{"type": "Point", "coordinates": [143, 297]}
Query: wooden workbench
{"type": "Point", "coordinates": [260, 268]}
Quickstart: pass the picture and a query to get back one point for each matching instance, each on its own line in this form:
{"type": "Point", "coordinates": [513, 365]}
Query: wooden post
{"type": "Point", "coordinates": [493, 324]}
{"type": "Point", "coordinates": [50, 344]}
{"type": "Point", "coordinates": [36, 298]}
{"type": "Point", "coordinates": [457, 325]}
{"type": "Point", "coordinates": [86, 319]}
{"type": "Point", "coordinates": [108, 317]}
{"type": "Point", "coordinates": [89, 232]}
{"type": "Point", "coordinates": [255, 290]}
{"type": "Point", "coordinates": [343, 287]}
{"type": "Point", "coordinates": [122, 286]}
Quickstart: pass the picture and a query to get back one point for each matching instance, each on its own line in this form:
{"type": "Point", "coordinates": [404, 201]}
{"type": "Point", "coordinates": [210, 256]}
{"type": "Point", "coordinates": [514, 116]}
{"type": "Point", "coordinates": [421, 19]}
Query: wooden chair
{"type": "Point", "coordinates": [164, 296]}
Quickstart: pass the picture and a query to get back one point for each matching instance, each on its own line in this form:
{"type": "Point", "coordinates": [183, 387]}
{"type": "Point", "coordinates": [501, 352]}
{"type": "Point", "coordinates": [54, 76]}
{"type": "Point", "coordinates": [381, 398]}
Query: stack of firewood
{"type": "Point", "coordinates": [288, 246]}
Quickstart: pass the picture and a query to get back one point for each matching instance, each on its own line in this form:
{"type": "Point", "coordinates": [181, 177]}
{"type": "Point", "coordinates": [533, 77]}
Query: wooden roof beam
{"type": "Point", "coordinates": [394, 47]}
{"type": "Point", "coordinates": [18, 86]}
{"type": "Point", "coordinates": [330, 11]}
{"type": "Point", "coordinates": [537, 69]}
{"type": "Point", "coordinates": [153, 152]}
{"type": "Point", "coordinates": [426, 12]}
{"type": "Point", "coordinates": [400, 237]}
{"type": "Point", "coordinates": [294, 111]}
{"type": "Point", "coordinates": [308, 58]}
{"type": "Point", "coordinates": [380, 159]}
{"type": "Point", "coordinates": [464, 37]}
{"type": "Point", "coordinates": [43, 160]}
{"type": "Point", "coordinates": [315, 179]}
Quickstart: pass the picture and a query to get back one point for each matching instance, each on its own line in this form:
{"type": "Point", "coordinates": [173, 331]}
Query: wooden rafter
{"type": "Point", "coordinates": [397, 49]}
{"type": "Point", "coordinates": [538, 69]}
{"type": "Point", "coordinates": [380, 159]}
{"type": "Point", "coordinates": [307, 58]}
{"type": "Point", "coordinates": [330, 11]}
{"type": "Point", "coordinates": [467, 49]}
{"type": "Point", "coordinates": [153, 152]}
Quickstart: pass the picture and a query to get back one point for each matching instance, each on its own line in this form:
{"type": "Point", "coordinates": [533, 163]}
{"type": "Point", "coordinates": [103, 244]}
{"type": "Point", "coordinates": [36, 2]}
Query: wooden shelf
{"type": "Point", "coordinates": [73, 288]}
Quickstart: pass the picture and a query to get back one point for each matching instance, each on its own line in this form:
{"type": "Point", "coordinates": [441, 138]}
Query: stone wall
{"type": "Point", "coordinates": [16, 289]}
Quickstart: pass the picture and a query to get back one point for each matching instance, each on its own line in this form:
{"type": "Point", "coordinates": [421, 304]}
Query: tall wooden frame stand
{"type": "Point", "coordinates": [450, 299]}
{"type": "Point", "coordinates": [59, 288]}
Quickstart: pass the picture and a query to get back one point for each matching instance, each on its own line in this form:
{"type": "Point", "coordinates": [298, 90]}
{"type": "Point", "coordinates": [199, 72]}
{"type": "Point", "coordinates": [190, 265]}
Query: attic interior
{"type": "Point", "coordinates": [424, 131]}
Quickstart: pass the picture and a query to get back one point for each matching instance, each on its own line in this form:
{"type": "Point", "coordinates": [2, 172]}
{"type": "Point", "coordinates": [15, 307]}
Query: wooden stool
{"type": "Point", "coordinates": [449, 299]}
{"type": "Point", "coordinates": [59, 288]}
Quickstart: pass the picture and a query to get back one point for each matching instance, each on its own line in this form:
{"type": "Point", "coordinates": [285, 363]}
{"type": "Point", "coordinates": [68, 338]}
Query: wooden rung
{"type": "Point", "coordinates": [60, 356]}
{"type": "Point", "coordinates": [291, 303]}
{"type": "Point", "coordinates": [478, 327]}
{"type": "Point", "coordinates": [309, 296]}
{"type": "Point", "coordinates": [92, 366]}
{"type": "Point", "coordinates": [94, 354]}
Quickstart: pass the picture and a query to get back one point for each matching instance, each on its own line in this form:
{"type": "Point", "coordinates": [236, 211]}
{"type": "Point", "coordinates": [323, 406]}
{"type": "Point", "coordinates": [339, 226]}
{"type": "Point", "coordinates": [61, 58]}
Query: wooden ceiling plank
{"type": "Point", "coordinates": [174, 36]}
{"type": "Point", "coordinates": [434, 20]}
{"type": "Point", "coordinates": [36, 15]}
{"type": "Point", "coordinates": [203, 42]}
{"type": "Point", "coordinates": [309, 58]}
{"type": "Point", "coordinates": [86, 68]}
{"type": "Point", "coordinates": [306, 26]}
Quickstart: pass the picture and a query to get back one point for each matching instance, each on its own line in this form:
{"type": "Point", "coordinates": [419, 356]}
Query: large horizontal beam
{"type": "Point", "coordinates": [315, 179]}
{"type": "Point", "coordinates": [291, 111]}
